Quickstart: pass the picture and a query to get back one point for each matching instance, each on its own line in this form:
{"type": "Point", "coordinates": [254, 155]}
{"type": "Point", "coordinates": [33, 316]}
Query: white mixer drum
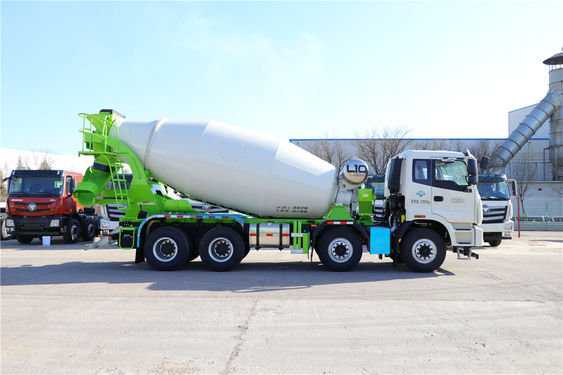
{"type": "Point", "coordinates": [233, 167]}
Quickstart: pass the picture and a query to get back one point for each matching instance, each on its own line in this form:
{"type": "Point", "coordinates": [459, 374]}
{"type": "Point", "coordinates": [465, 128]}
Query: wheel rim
{"type": "Point", "coordinates": [74, 232]}
{"type": "Point", "coordinates": [165, 249]}
{"type": "Point", "coordinates": [340, 250]}
{"type": "Point", "coordinates": [220, 249]}
{"type": "Point", "coordinates": [424, 251]}
{"type": "Point", "coordinates": [90, 230]}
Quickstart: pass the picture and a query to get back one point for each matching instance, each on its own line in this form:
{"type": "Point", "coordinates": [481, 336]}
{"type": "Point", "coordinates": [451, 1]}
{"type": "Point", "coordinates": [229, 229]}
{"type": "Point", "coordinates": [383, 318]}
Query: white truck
{"type": "Point", "coordinates": [496, 193]}
{"type": "Point", "coordinates": [278, 196]}
{"type": "Point", "coordinates": [437, 189]}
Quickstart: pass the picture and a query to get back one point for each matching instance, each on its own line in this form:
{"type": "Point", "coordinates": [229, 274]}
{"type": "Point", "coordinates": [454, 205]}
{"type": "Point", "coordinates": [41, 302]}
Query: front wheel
{"type": "Point", "coordinates": [167, 248]}
{"type": "Point", "coordinates": [423, 250]}
{"type": "Point", "coordinates": [72, 231]}
{"type": "Point", "coordinates": [494, 243]}
{"type": "Point", "coordinates": [221, 249]}
{"type": "Point", "coordinates": [339, 249]}
{"type": "Point", "coordinates": [23, 239]}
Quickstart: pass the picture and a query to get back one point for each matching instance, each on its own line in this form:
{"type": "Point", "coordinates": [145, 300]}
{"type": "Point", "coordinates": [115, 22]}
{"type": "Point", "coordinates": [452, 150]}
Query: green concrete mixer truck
{"type": "Point", "coordinates": [278, 196]}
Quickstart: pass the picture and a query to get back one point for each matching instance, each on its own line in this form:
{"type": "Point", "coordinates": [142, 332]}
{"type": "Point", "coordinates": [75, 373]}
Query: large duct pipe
{"type": "Point", "coordinates": [527, 128]}
{"type": "Point", "coordinates": [556, 121]}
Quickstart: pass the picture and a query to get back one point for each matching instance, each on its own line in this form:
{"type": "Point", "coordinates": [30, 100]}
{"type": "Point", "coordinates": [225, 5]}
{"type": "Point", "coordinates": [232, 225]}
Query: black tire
{"type": "Point", "coordinates": [72, 231]}
{"type": "Point", "coordinates": [494, 243]}
{"type": "Point", "coordinates": [221, 249]}
{"type": "Point", "coordinates": [167, 248]}
{"type": "Point", "coordinates": [89, 229]}
{"type": "Point", "coordinates": [339, 249]}
{"type": "Point", "coordinates": [423, 250]}
{"type": "Point", "coordinates": [23, 239]}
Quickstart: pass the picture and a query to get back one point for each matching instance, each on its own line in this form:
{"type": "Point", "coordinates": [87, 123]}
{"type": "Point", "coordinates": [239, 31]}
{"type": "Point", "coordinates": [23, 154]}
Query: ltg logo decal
{"type": "Point", "coordinates": [420, 193]}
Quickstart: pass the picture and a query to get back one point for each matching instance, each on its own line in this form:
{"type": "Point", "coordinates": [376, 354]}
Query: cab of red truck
{"type": "Point", "coordinates": [40, 203]}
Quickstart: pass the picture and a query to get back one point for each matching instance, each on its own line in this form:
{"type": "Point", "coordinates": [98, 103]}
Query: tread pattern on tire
{"type": "Point", "coordinates": [238, 248]}
{"type": "Point", "coordinates": [183, 248]}
{"type": "Point", "coordinates": [335, 233]}
{"type": "Point", "coordinates": [411, 238]}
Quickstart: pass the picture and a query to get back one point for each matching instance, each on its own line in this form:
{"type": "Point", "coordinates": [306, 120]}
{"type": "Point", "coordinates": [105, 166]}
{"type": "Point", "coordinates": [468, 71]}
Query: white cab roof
{"type": "Point", "coordinates": [430, 154]}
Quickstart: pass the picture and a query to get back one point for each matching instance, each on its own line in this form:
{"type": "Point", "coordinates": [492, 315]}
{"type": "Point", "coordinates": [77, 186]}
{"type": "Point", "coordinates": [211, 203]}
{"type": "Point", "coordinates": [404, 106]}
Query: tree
{"type": "Point", "coordinates": [46, 163]}
{"type": "Point", "coordinates": [39, 161]}
{"type": "Point", "coordinates": [523, 171]}
{"type": "Point", "coordinates": [377, 147]}
{"type": "Point", "coordinates": [21, 164]}
{"type": "Point", "coordinates": [432, 144]}
{"type": "Point", "coordinates": [483, 148]}
{"type": "Point", "coordinates": [4, 173]}
{"type": "Point", "coordinates": [331, 151]}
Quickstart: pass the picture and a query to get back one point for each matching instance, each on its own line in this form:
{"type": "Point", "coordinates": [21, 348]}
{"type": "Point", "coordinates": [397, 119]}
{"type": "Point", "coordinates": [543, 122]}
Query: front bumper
{"type": "Point", "coordinates": [498, 231]}
{"type": "Point", "coordinates": [35, 225]}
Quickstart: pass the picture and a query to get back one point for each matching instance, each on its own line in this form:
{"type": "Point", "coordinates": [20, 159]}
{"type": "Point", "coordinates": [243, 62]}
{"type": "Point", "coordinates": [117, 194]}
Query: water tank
{"type": "Point", "coordinates": [233, 167]}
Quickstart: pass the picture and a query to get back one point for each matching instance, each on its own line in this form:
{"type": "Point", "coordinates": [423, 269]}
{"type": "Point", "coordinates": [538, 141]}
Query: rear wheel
{"type": "Point", "coordinates": [72, 231]}
{"type": "Point", "coordinates": [339, 249]}
{"type": "Point", "coordinates": [221, 249]}
{"type": "Point", "coordinates": [89, 229]}
{"type": "Point", "coordinates": [423, 250]}
{"type": "Point", "coordinates": [23, 239]}
{"type": "Point", "coordinates": [167, 248]}
{"type": "Point", "coordinates": [494, 243]}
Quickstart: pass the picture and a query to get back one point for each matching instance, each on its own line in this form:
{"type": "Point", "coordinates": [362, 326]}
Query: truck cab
{"type": "Point", "coordinates": [497, 207]}
{"type": "Point", "coordinates": [40, 203]}
{"type": "Point", "coordinates": [435, 191]}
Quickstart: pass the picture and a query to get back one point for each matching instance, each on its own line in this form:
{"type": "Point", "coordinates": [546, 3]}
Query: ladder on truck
{"type": "Point", "coordinates": [106, 154]}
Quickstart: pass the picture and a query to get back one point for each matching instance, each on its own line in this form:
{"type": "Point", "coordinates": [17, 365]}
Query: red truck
{"type": "Point", "coordinates": [40, 203]}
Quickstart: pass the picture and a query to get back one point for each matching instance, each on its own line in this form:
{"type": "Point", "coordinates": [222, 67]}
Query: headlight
{"type": "Point", "coordinates": [55, 223]}
{"type": "Point", "coordinates": [508, 226]}
{"type": "Point", "coordinates": [10, 223]}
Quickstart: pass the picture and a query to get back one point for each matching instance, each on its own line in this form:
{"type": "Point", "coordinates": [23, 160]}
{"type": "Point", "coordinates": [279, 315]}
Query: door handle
{"type": "Point", "coordinates": [438, 198]}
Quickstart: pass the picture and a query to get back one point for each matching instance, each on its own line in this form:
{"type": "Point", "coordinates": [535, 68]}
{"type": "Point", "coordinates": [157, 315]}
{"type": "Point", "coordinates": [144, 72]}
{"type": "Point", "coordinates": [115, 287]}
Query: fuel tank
{"type": "Point", "coordinates": [233, 167]}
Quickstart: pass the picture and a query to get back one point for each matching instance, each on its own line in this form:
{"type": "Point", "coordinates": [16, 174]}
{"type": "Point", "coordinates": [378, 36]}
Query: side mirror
{"type": "Point", "coordinates": [394, 180]}
{"type": "Point", "coordinates": [473, 179]}
{"type": "Point", "coordinates": [513, 188]}
{"type": "Point", "coordinates": [71, 184]}
{"type": "Point", "coordinates": [484, 163]}
{"type": "Point", "coordinates": [472, 167]}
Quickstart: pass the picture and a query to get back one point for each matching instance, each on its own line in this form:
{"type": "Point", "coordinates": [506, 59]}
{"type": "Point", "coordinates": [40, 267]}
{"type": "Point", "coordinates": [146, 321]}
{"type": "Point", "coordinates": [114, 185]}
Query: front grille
{"type": "Point", "coordinates": [494, 215]}
{"type": "Point", "coordinates": [115, 211]}
{"type": "Point", "coordinates": [28, 211]}
{"type": "Point", "coordinates": [41, 207]}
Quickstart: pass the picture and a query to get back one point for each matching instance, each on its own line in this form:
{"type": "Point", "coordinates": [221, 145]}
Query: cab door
{"type": "Point", "coordinates": [452, 197]}
{"type": "Point", "coordinates": [419, 196]}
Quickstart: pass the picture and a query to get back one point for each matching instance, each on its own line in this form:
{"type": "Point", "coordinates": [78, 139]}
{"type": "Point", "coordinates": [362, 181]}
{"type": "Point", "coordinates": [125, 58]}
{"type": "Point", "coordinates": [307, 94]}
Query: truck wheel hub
{"type": "Point", "coordinates": [74, 231]}
{"type": "Point", "coordinates": [424, 250]}
{"type": "Point", "coordinates": [340, 250]}
{"type": "Point", "coordinates": [221, 249]}
{"type": "Point", "coordinates": [165, 249]}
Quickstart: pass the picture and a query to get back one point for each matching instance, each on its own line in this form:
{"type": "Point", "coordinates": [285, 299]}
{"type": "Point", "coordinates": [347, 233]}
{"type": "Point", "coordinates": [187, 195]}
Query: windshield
{"type": "Point", "coordinates": [43, 186]}
{"type": "Point", "coordinates": [455, 171]}
{"type": "Point", "coordinates": [378, 189]}
{"type": "Point", "coordinates": [493, 190]}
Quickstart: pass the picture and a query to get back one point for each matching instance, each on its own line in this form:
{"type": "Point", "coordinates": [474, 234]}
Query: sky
{"type": "Point", "coordinates": [288, 69]}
